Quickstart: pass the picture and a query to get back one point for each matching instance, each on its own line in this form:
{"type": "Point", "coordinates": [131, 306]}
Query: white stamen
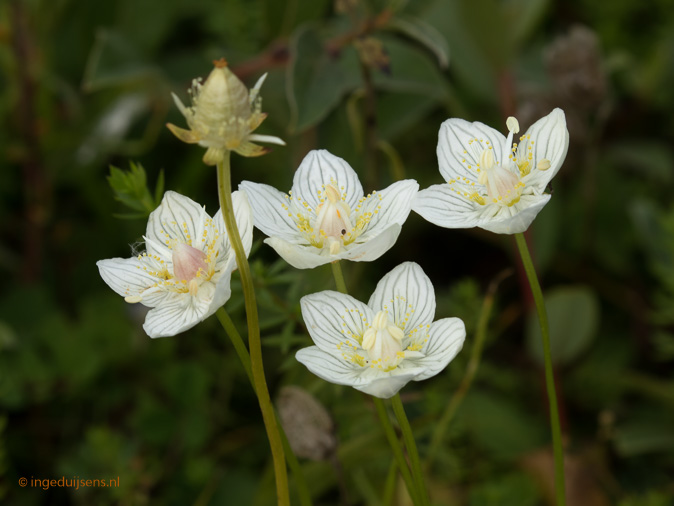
{"type": "Point", "coordinates": [383, 341]}
{"type": "Point", "coordinates": [513, 125]}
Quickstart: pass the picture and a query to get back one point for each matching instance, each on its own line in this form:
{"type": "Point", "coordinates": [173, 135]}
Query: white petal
{"type": "Point", "coordinates": [372, 248]}
{"type": "Point", "coordinates": [390, 206]}
{"type": "Point", "coordinates": [320, 168]}
{"type": "Point", "coordinates": [266, 138]}
{"type": "Point", "coordinates": [456, 136]}
{"type": "Point", "coordinates": [389, 384]}
{"type": "Point", "coordinates": [255, 90]}
{"type": "Point", "coordinates": [300, 257]}
{"type": "Point", "coordinates": [177, 313]}
{"type": "Point", "coordinates": [551, 142]}
{"type": "Point", "coordinates": [127, 277]}
{"type": "Point", "coordinates": [445, 340]}
{"type": "Point", "coordinates": [244, 222]}
{"type": "Point", "coordinates": [333, 318]}
{"type": "Point", "coordinates": [407, 295]}
{"type": "Point", "coordinates": [442, 206]}
{"type": "Point", "coordinates": [177, 217]}
{"type": "Point", "coordinates": [179, 104]}
{"type": "Point", "coordinates": [334, 369]}
{"type": "Point", "coordinates": [329, 367]}
{"type": "Point", "coordinates": [270, 216]}
{"type": "Point", "coordinates": [524, 213]}
{"type": "Point", "coordinates": [222, 291]}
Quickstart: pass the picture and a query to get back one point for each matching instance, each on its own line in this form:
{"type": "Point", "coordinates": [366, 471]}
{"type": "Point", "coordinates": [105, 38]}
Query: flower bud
{"type": "Point", "coordinates": [223, 116]}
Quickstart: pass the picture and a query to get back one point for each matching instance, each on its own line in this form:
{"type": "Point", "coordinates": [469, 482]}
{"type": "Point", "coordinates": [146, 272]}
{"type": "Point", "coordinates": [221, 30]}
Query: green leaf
{"type": "Point", "coordinates": [472, 64]}
{"type": "Point", "coordinates": [114, 61]}
{"type": "Point", "coordinates": [499, 426]}
{"type": "Point", "coordinates": [317, 80]}
{"type": "Point", "coordinates": [159, 189]}
{"type": "Point", "coordinates": [639, 438]}
{"type": "Point", "coordinates": [398, 112]}
{"type": "Point", "coordinates": [425, 33]}
{"type": "Point", "coordinates": [523, 17]}
{"type": "Point", "coordinates": [130, 188]}
{"type": "Point", "coordinates": [412, 71]}
{"type": "Point", "coordinates": [573, 316]}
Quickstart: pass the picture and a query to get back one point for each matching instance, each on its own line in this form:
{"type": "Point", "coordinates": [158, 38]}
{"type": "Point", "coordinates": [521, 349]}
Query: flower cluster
{"type": "Point", "coordinates": [491, 182]}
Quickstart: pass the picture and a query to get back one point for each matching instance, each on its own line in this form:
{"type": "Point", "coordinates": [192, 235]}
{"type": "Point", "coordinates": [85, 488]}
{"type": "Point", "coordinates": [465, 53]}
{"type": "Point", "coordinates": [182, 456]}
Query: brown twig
{"type": "Point", "coordinates": [34, 182]}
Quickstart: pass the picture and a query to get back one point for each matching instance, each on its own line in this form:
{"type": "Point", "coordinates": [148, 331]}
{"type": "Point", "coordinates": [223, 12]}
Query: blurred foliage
{"type": "Point", "coordinates": [84, 392]}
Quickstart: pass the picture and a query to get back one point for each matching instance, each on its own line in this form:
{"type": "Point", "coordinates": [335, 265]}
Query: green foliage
{"type": "Point", "coordinates": [317, 80]}
{"type": "Point", "coordinates": [84, 392]}
{"type": "Point", "coordinates": [573, 316]}
{"type": "Point", "coordinates": [130, 188]}
{"type": "Point", "coordinates": [513, 489]}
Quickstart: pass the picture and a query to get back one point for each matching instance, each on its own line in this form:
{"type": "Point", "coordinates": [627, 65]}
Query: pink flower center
{"type": "Point", "coordinates": [188, 262]}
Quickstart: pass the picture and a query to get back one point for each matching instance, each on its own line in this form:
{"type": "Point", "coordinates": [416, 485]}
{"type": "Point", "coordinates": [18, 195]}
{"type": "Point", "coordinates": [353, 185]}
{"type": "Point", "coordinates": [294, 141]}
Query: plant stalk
{"type": "Point", "coordinates": [397, 450]}
{"type": "Point", "coordinates": [468, 377]}
{"type": "Point", "coordinates": [257, 367]}
{"type": "Point", "coordinates": [412, 451]}
{"type": "Point", "coordinates": [339, 277]}
{"type": "Point", "coordinates": [560, 491]}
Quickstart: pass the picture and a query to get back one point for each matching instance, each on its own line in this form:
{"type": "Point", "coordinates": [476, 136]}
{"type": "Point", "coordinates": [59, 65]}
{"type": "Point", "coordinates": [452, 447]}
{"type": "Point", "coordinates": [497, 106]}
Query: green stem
{"type": "Point", "coordinates": [383, 415]}
{"type": "Point", "coordinates": [238, 343]}
{"type": "Point", "coordinates": [339, 277]}
{"type": "Point", "coordinates": [397, 450]}
{"type": "Point", "coordinates": [471, 370]}
{"type": "Point", "coordinates": [412, 451]}
{"type": "Point", "coordinates": [549, 374]}
{"type": "Point", "coordinates": [390, 485]}
{"type": "Point", "coordinates": [275, 440]}
{"type": "Point", "coordinates": [242, 352]}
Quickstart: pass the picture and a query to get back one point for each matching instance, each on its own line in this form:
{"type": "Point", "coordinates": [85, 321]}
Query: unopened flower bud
{"type": "Point", "coordinates": [223, 116]}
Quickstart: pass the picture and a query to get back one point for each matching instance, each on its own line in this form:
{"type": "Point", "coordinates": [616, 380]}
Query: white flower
{"type": "Point", "coordinates": [379, 347]}
{"type": "Point", "coordinates": [184, 274]}
{"type": "Point", "coordinates": [223, 116]}
{"type": "Point", "coordinates": [326, 217]}
{"type": "Point", "coordinates": [491, 182]}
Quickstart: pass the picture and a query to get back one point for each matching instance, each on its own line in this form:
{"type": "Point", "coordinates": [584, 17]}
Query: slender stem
{"type": "Point", "coordinates": [397, 450]}
{"type": "Point", "coordinates": [339, 276]}
{"type": "Point", "coordinates": [296, 468]}
{"type": "Point", "coordinates": [412, 451]}
{"type": "Point", "coordinates": [390, 486]}
{"type": "Point", "coordinates": [238, 343]}
{"type": "Point", "coordinates": [275, 440]}
{"type": "Point", "coordinates": [549, 374]}
{"type": "Point", "coordinates": [471, 370]}
{"type": "Point", "coordinates": [242, 352]}
{"type": "Point", "coordinates": [383, 415]}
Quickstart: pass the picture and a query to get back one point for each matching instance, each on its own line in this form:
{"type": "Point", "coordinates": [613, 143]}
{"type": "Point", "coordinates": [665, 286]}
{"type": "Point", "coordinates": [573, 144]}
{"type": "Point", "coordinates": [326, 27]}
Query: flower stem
{"type": "Point", "coordinates": [471, 370]}
{"type": "Point", "coordinates": [383, 415]}
{"type": "Point", "coordinates": [412, 451]}
{"type": "Point", "coordinates": [549, 374]}
{"type": "Point", "coordinates": [339, 277]}
{"type": "Point", "coordinates": [260, 383]}
{"type": "Point", "coordinates": [237, 342]}
{"type": "Point", "coordinates": [242, 352]}
{"type": "Point", "coordinates": [397, 450]}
